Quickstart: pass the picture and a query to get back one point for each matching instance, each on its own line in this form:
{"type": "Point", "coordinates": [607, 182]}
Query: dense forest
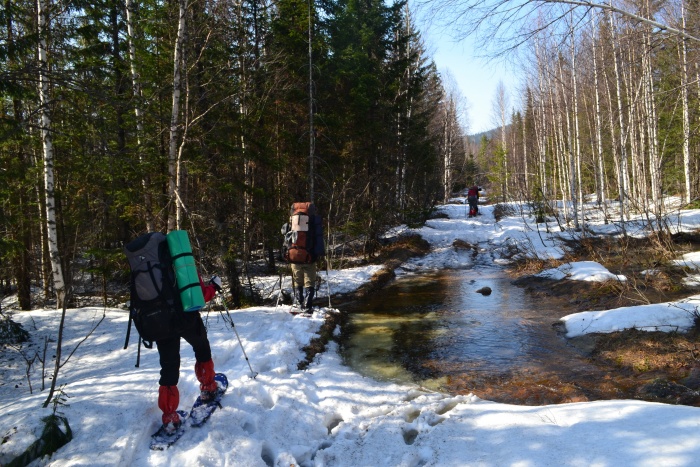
{"type": "Point", "coordinates": [125, 116]}
{"type": "Point", "coordinates": [609, 107]}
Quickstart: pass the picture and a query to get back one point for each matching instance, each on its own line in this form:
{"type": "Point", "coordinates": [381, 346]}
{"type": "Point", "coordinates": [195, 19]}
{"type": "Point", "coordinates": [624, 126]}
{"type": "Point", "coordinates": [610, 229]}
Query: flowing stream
{"type": "Point", "coordinates": [435, 330]}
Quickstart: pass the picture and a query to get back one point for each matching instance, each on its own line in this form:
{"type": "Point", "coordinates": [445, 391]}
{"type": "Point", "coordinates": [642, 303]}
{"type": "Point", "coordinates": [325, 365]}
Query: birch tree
{"type": "Point", "coordinates": [451, 136]}
{"type": "Point", "coordinates": [43, 8]}
{"type": "Point", "coordinates": [598, 129]}
{"type": "Point", "coordinates": [174, 149]}
{"type": "Point", "coordinates": [500, 113]}
{"type": "Point", "coordinates": [655, 157]}
{"type": "Point", "coordinates": [136, 86]}
{"type": "Point", "coordinates": [540, 123]}
{"type": "Point", "coordinates": [577, 190]}
{"type": "Point", "coordinates": [623, 180]}
{"type": "Point", "coordinates": [684, 102]}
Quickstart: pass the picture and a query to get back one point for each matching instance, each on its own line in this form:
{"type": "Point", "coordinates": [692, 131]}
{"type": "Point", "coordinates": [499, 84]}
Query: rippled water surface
{"type": "Point", "coordinates": [437, 331]}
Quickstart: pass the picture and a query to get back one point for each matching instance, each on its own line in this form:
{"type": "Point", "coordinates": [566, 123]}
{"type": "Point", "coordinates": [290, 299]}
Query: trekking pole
{"type": "Point", "coordinates": [126, 341]}
{"type": "Point", "coordinates": [233, 326]}
{"type": "Point", "coordinates": [294, 294]}
{"type": "Point", "coordinates": [328, 284]}
{"type": "Point", "coordinates": [279, 295]}
{"type": "Point", "coordinates": [128, 332]}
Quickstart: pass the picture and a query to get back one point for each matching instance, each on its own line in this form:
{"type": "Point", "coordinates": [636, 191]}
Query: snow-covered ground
{"type": "Point", "coordinates": [329, 415]}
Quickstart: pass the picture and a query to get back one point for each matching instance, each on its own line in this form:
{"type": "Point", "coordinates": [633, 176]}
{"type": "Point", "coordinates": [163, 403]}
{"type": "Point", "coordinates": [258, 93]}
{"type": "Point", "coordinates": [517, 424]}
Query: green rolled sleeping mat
{"type": "Point", "coordinates": [185, 271]}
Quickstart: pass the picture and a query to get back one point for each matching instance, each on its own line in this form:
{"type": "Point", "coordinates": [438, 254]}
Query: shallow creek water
{"type": "Point", "coordinates": [435, 330]}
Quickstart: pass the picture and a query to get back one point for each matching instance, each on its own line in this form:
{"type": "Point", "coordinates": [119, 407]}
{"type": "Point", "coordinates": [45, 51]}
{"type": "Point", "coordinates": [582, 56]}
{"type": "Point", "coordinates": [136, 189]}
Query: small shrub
{"type": "Point", "coordinates": [56, 433]}
{"type": "Point", "coordinates": [11, 332]}
{"type": "Point", "coordinates": [695, 204]}
{"type": "Point", "coordinates": [541, 210]}
{"type": "Point", "coordinates": [503, 210]}
{"type": "Point", "coordinates": [415, 218]}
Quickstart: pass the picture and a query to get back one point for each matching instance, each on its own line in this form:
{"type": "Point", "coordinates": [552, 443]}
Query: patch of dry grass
{"type": "Point", "coordinates": [404, 248]}
{"type": "Point", "coordinates": [672, 354]}
{"type": "Point", "coordinates": [533, 265]}
{"type": "Point", "coordinates": [651, 277]}
{"type": "Point", "coordinates": [503, 210]}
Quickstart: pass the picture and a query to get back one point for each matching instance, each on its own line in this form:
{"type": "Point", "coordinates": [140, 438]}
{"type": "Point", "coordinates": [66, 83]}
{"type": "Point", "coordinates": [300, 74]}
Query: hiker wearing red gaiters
{"type": "Point", "coordinates": [193, 331]}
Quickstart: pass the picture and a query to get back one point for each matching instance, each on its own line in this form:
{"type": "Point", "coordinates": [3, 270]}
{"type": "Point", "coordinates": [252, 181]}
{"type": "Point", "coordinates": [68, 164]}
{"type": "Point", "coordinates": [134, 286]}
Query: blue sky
{"type": "Point", "coordinates": [476, 78]}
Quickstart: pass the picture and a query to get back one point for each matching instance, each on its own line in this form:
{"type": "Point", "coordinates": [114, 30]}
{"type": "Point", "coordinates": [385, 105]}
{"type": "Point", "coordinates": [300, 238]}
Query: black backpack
{"type": "Point", "coordinates": [155, 306]}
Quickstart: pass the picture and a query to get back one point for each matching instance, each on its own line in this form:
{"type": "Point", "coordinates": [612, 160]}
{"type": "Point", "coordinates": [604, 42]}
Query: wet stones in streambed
{"type": "Point", "coordinates": [661, 390]}
{"type": "Point", "coordinates": [692, 381]}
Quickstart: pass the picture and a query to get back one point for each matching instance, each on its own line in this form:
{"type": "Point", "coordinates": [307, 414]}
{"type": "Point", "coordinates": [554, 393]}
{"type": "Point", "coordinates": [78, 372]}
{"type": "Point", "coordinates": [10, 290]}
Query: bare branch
{"type": "Point", "coordinates": [610, 7]}
{"type": "Point", "coordinates": [503, 26]}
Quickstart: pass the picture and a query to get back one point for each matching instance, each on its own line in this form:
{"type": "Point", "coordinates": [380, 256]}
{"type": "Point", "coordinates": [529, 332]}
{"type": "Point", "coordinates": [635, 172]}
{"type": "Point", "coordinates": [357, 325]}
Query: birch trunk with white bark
{"type": "Point", "coordinates": [136, 87]}
{"type": "Point", "coordinates": [47, 143]}
{"type": "Point", "coordinates": [599, 136]}
{"type": "Point", "coordinates": [624, 182]}
{"type": "Point", "coordinates": [686, 117]}
{"type": "Point", "coordinates": [174, 217]}
{"type": "Point", "coordinates": [578, 189]}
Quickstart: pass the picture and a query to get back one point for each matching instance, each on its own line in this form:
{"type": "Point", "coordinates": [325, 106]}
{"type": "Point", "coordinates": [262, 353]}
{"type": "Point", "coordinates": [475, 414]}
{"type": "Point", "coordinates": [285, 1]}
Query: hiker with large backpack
{"type": "Point", "coordinates": [166, 296]}
{"type": "Point", "coordinates": [302, 247]}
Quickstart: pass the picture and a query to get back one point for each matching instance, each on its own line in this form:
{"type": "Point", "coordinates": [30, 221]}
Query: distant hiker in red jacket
{"type": "Point", "coordinates": [473, 200]}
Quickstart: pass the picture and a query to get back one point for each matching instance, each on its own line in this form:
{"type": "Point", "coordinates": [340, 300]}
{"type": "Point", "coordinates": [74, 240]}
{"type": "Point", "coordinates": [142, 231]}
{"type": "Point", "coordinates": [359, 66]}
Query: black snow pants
{"type": "Point", "coordinates": [194, 332]}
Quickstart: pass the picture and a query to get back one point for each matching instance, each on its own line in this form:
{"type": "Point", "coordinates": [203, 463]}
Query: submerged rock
{"type": "Point", "coordinates": [692, 381]}
{"type": "Point", "coordinates": [484, 291]}
{"type": "Point", "coordinates": [661, 390]}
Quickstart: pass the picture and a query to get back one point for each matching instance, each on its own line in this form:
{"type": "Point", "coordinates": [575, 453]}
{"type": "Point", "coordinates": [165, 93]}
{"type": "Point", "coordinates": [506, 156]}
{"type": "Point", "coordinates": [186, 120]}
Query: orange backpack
{"type": "Point", "coordinates": [300, 234]}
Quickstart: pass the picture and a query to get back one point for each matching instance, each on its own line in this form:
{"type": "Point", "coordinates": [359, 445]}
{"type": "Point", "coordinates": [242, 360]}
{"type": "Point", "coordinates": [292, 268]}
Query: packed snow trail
{"type": "Point", "coordinates": [327, 415]}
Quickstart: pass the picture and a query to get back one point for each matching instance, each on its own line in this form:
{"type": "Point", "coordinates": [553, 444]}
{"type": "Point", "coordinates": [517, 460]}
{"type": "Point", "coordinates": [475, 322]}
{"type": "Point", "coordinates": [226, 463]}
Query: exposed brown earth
{"type": "Point", "coordinates": [659, 366]}
{"type": "Point", "coordinates": [653, 366]}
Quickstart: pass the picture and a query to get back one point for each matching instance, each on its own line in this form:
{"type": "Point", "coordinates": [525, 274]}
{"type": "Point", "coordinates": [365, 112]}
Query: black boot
{"type": "Point", "coordinates": [310, 298]}
{"type": "Point", "coordinates": [300, 296]}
